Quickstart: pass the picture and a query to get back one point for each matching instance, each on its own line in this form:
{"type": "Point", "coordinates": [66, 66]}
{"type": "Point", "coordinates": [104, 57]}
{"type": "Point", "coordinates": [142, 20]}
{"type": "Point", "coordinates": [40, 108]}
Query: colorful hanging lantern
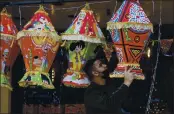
{"type": "Point", "coordinates": [39, 43]}
{"type": "Point", "coordinates": [8, 47]}
{"type": "Point", "coordinates": [82, 37]}
{"type": "Point", "coordinates": [129, 28]}
{"type": "Point", "coordinates": [166, 45]}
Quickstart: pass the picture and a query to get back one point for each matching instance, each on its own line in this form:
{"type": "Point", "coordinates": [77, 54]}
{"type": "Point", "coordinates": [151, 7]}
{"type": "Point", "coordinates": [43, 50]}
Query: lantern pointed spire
{"type": "Point", "coordinates": [130, 14]}
{"type": "Point", "coordinates": [87, 7]}
{"type": "Point", "coordinates": [84, 27]}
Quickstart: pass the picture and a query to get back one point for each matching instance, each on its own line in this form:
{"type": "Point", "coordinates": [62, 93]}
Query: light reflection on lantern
{"type": "Point", "coordinates": [148, 52]}
{"type": "Point", "coordinates": [98, 17]}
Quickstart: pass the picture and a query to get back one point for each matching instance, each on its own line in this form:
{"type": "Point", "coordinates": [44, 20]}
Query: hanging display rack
{"type": "Point", "coordinates": [25, 2]}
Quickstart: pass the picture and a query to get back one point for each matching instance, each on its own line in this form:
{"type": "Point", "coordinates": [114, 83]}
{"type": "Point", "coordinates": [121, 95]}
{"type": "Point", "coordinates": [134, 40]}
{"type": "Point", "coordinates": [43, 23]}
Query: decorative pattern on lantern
{"type": "Point", "coordinates": [129, 28]}
{"type": "Point", "coordinates": [8, 47]}
{"type": "Point", "coordinates": [81, 39]}
{"type": "Point", "coordinates": [39, 43]}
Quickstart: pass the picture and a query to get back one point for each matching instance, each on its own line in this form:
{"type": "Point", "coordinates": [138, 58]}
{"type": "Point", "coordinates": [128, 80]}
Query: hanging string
{"type": "Point", "coordinates": [153, 4]}
{"type": "Point", "coordinates": [156, 65]}
{"type": "Point", "coordinates": [115, 8]}
{"type": "Point", "coordinates": [100, 2]}
{"type": "Point", "coordinates": [52, 9]}
{"type": "Point", "coordinates": [66, 8]}
{"type": "Point", "coordinates": [76, 13]}
{"type": "Point", "coordinates": [20, 15]}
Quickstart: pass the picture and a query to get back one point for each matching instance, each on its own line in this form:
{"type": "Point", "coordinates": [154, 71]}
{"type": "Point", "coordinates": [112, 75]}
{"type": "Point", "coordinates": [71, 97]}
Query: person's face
{"type": "Point", "coordinates": [99, 66]}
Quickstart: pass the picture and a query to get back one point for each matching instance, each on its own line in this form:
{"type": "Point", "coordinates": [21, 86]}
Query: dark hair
{"type": "Point", "coordinates": [74, 44]}
{"type": "Point", "coordinates": [100, 55]}
{"type": "Point", "coordinates": [88, 68]}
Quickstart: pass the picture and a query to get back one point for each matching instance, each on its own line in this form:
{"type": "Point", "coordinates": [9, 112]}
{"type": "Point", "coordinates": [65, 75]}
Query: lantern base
{"type": "Point", "coordinates": [5, 82]}
{"type": "Point", "coordinates": [76, 80]}
{"type": "Point", "coordinates": [119, 71]}
{"type": "Point", "coordinates": [36, 78]}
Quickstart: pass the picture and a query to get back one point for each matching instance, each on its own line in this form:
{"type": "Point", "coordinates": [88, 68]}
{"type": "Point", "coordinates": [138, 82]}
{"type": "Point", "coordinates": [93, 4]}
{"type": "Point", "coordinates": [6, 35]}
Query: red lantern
{"type": "Point", "coordinates": [129, 28]}
{"type": "Point", "coordinates": [8, 47]}
{"type": "Point", "coordinates": [39, 43]}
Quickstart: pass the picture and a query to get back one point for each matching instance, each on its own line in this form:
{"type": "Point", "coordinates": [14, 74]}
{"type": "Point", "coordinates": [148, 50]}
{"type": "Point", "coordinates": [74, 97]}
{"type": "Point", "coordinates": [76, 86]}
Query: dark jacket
{"type": "Point", "coordinates": [104, 99]}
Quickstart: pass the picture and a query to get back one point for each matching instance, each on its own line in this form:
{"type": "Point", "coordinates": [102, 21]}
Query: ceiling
{"type": "Point", "coordinates": [62, 18]}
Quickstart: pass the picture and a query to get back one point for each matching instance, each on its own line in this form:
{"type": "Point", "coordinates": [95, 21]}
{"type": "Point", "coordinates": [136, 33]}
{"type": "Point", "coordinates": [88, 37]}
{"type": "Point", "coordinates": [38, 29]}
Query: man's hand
{"type": "Point", "coordinates": [129, 76]}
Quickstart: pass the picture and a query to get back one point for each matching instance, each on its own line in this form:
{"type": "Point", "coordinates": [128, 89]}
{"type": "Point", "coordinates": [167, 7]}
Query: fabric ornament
{"type": "Point", "coordinates": [39, 43]}
{"type": "Point", "coordinates": [129, 28]}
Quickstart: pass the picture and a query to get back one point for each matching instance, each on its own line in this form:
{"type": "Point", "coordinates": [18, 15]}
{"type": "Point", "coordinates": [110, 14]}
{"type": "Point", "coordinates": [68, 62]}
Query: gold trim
{"type": "Point", "coordinates": [75, 85]}
{"type": "Point", "coordinates": [50, 34]}
{"type": "Point", "coordinates": [120, 25]}
{"type": "Point", "coordinates": [7, 86]}
{"type": "Point", "coordinates": [128, 64]}
{"type": "Point", "coordinates": [25, 84]}
{"type": "Point", "coordinates": [36, 72]}
{"type": "Point", "coordinates": [138, 77]}
{"type": "Point", "coordinates": [84, 37]}
{"type": "Point", "coordinates": [8, 35]}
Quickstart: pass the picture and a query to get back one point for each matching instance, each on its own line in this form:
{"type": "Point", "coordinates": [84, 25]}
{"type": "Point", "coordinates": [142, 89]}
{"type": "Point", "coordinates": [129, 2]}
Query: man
{"type": "Point", "coordinates": [101, 97]}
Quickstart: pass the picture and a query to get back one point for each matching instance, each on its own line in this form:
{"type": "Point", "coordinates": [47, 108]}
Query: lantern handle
{"type": "Point", "coordinates": [4, 10]}
{"type": "Point", "coordinates": [41, 8]}
{"type": "Point", "coordinates": [87, 7]}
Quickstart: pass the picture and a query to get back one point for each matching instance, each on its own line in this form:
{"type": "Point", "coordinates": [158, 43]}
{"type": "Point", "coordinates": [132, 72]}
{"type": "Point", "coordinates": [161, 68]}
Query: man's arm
{"type": "Point", "coordinates": [112, 64]}
{"type": "Point", "coordinates": [99, 99]}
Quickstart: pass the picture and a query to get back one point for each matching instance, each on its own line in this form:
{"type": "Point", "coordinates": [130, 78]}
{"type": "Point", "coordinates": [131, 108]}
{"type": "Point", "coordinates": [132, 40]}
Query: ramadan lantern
{"type": "Point", "coordinates": [39, 43]}
{"type": "Point", "coordinates": [129, 28]}
{"type": "Point", "coordinates": [8, 47]}
{"type": "Point", "coordinates": [81, 39]}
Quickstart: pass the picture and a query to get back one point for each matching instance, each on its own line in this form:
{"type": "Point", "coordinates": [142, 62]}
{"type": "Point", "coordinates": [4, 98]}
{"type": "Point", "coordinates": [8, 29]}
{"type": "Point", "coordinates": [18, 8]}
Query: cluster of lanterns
{"type": "Point", "coordinates": [39, 42]}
